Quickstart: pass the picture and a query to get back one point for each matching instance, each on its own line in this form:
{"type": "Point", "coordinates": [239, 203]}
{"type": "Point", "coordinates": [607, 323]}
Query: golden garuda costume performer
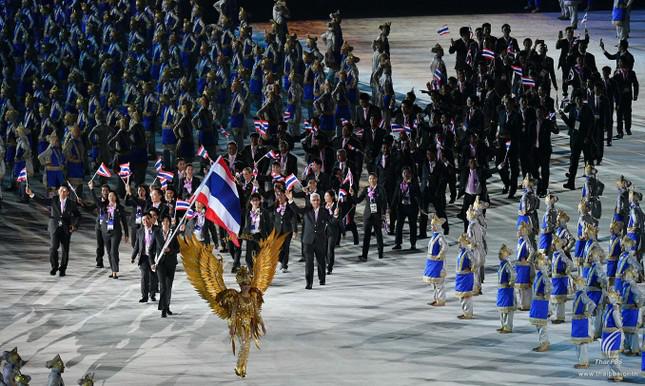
{"type": "Point", "coordinates": [240, 308]}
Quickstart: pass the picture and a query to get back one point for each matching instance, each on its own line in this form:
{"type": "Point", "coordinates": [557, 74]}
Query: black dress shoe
{"type": "Point", "coordinates": [53, 271]}
{"type": "Point", "coordinates": [153, 299]}
{"type": "Point", "coordinates": [111, 276]}
{"type": "Point", "coordinates": [168, 311]}
{"type": "Point", "coordinates": [163, 313]}
{"type": "Point", "coordinates": [61, 273]}
{"type": "Point", "coordinates": [329, 272]}
{"type": "Point", "coordinates": [505, 190]}
{"type": "Point", "coordinates": [115, 277]}
{"type": "Point", "coordinates": [308, 287]}
{"type": "Point", "coordinates": [569, 186]}
{"type": "Point", "coordinates": [413, 248]}
{"type": "Point", "coordinates": [396, 247]}
{"type": "Point", "coordinates": [322, 283]}
{"type": "Point", "coordinates": [143, 300]}
{"type": "Point", "coordinates": [608, 144]}
{"type": "Point", "coordinates": [628, 132]}
{"type": "Point", "coordinates": [100, 266]}
{"type": "Point", "coordinates": [302, 259]}
{"type": "Point", "coordinates": [618, 136]}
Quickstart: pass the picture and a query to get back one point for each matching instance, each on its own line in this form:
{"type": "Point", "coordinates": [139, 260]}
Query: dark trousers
{"type": "Point", "coordinates": [369, 223]}
{"type": "Point", "coordinates": [252, 248]}
{"type": "Point", "coordinates": [165, 276]}
{"type": "Point", "coordinates": [147, 287]}
{"type": "Point", "coordinates": [410, 213]}
{"type": "Point", "coordinates": [59, 238]}
{"type": "Point", "coordinates": [598, 141]}
{"type": "Point", "coordinates": [610, 123]}
{"type": "Point", "coordinates": [438, 200]}
{"type": "Point", "coordinates": [624, 115]}
{"type": "Point", "coordinates": [469, 199]}
{"type": "Point", "coordinates": [578, 147]}
{"type": "Point", "coordinates": [100, 247]}
{"type": "Point", "coordinates": [332, 239]}
{"type": "Point", "coordinates": [284, 252]}
{"type": "Point", "coordinates": [112, 240]}
{"type": "Point", "coordinates": [316, 250]}
{"type": "Point", "coordinates": [236, 252]}
{"type": "Point", "coordinates": [543, 169]}
{"type": "Point", "coordinates": [525, 160]}
{"type": "Point", "coordinates": [509, 172]}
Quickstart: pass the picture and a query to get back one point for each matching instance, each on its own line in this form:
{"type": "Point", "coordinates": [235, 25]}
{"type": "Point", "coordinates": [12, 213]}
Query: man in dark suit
{"type": "Point", "coordinates": [63, 221]}
{"type": "Point", "coordinates": [580, 122]}
{"type": "Point", "coordinates": [288, 161]}
{"type": "Point", "coordinates": [510, 131]}
{"type": "Point", "coordinates": [166, 264]}
{"type": "Point", "coordinates": [283, 222]}
{"type": "Point", "coordinates": [540, 131]}
{"type": "Point", "coordinates": [434, 180]}
{"type": "Point", "coordinates": [101, 203]}
{"type": "Point", "coordinates": [314, 239]}
{"type": "Point", "coordinates": [315, 173]}
{"type": "Point", "coordinates": [373, 137]}
{"type": "Point", "coordinates": [387, 171]}
{"type": "Point", "coordinates": [372, 214]}
{"type": "Point", "coordinates": [364, 112]}
{"type": "Point", "coordinates": [627, 85]}
{"type": "Point", "coordinates": [611, 92]}
{"type": "Point", "coordinates": [144, 252]}
{"type": "Point", "coordinates": [599, 104]}
{"type": "Point", "coordinates": [406, 199]}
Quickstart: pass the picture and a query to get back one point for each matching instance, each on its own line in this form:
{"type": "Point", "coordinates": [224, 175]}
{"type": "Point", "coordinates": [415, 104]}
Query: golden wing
{"type": "Point", "coordinates": [266, 261]}
{"type": "Point", "coordinates": [205, 272]}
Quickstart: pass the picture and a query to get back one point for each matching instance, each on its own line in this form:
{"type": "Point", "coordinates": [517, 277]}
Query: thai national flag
{"type": "Point", "coordinates": [165, 175]}
{"type": "Point", "coordinates": [182, 205]}
{"type": "Point", "coordinates": [202, 152]}
{"type": "Point", "coordinates": [528, 81]}
{"type": "Point", "coordinates": [291, 181]}
{"type": "Point", "coordinates": [190, 214]}
{"type": "Point", "coordinates": [277, 177]}
{"type": "Point", "coordinates": [396, 128]}
{"type": "Point", "coordinates": [510, 49]}
{"type": "Point", "coordinates": [349, 178]}
{"type": "Point", "coordinates": [261, 127]}
{"type": "Point", "coordinates": [273, 155]}
{"type": "Point", "coordinates": [164, 183]}
{"type": "Point", "coordinates": [307, 126]}
{"type": "Point", "coordinates": [438, 74]}
{"type": "Point", "coordinates": [342, 194]}
{"type": "Point", "coordinates": [22, 176]}
{"type": "Point", "coordinates": [305, 172]}
{"type": "Point", "coordinates": [488, 54]}
{"type": "Point", "coordinates": [125, 170]}
{"type": "Point", "coordinates": [443, 30]}
{"type": "Point", "coordinates": [518, 70]}
{"type": "Point", "coordinates": [223, 131]}
{"type": "Point", "coordinates": [103, 171]}
{"type": "Point", "coordinates": [286, 116]}
{"type": "Point", "coordinates": [159, 164]}
{"type": "Point", "coordinates": [221, 199]}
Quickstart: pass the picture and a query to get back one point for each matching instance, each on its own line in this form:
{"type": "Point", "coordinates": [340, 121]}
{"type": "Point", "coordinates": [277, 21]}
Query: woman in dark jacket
{"type": "Point", "coordinates": [332, 230]}
{"type": "Point", "coordinates": [113, 227]}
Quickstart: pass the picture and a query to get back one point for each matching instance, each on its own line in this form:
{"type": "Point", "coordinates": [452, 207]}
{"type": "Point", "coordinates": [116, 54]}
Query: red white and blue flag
{"type": "Point", "coordinates": [291, 181]}
{"type": "Point", "coordinates": [202, 152]}
{"type": "Point", "coordinates": [308, 127]}
{"type": "Point", "coordinates": [103, 171]}
{"type": "Point", "coordinates": [528, 81]}
{"type": "Point", "coordinates": [342, 194]}
{"type": "Point", "coordinates": [261, 127]}
{"type": "Point", "coordinates": [518, 70]}
{"type": "Point", "coordinates": [349, 178]}
{"type": "Point", "coordinates": [125, 170]}
{"type": "Point", "coordinates": [165, 175]}
{"type": "Point", "coordinates": [223, 131]}
{"type": "Point", "coordinates": [222, 201]}
{"type": "Point", "coordinates": [438, 74]}
{"type": "Point", "coordinates": [510, 49]}
{"type": "Point", "coordinates": [22, 176]}
{"type": "Point", "coordinates": [277, 177]}
{"type": "Point", "coordinates": [164, 183]}
{"type": "Point", "coordinates": [396, 128]}
{"type": "Point", "coordinates": [190, 214]}
{"type": "Point", "coordinates": [159, 164]}
{"type": "Point", "coordinates": [305, 172]}
{"type": "Point", "coordinates": [286, 116]}
{"type": "Point", "coordinates": [443, 30]}
{"type": "Point", "coordinates": [182, 205]}
{"type": "Point", "coordinates": [488, 54]}
{"type": "Point", "coordinates": [273, 155]}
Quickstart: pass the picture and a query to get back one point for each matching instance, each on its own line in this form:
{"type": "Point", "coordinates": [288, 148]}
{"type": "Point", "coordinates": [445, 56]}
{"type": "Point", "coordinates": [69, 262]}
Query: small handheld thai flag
{"type": "Point", "coordinates": [349, 178]}
{"type": "Point", "coordinates": [273, 155]}
{"type": "Point", "coordinates": [510, 49]}
{"type": "Point", "coordinates": [22, 176]}
{"type": "Point", "coordinates": [103, 171]}
{"type": "Point", "coordinates": [518, 70]}
{"type": "Point", "coordinates": [125, 170]}
{"type": "Point", "coordinates": [159, 164]}
{"type": "Point", "coordinates": [551, 116]}
{"type": "Point", "coordinates": [277, 177]}
{"type": "Point", "coordinates": [396, 128]}
{"type": "Point", "coordinates": [443, 30]}
{"type": "Point", "coordinates": [190, 214]}
{"type": "Point", "coordinates": [307, 126]}
{"type": "Point", "coordinates": [165, 175]}
{"type": "Point", "coordinates": [223, 131]}
{"type": "Point", "coordinates": [342, 194]}
{"type": "Point", "coordinates": [291, 181]}
{"type": "Point", "coordinates": [528, 81]}
{"type": "Point", "coordinates": [182, 205]}
{"type": "Point", "coordinates": [488, 54]}
{"type": "Point", "coordinates": [305, 172]}
{"type": "Point", "coordinates": [286, 116]}
{"type": "Point", "coordinates": [164, 183]}
{"type": "Point", "coordinates": [508, 145]}
{"type": "Point", "coordinates": [584, 18]}
{"type": "Point", "coordinates": [202, 152]}
{"type": "Point", "coordinates": [261, 127]}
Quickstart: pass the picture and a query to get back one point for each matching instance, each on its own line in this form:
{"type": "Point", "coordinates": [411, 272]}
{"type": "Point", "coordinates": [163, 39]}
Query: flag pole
{"type": "Point", "coordinates": [183, 218]}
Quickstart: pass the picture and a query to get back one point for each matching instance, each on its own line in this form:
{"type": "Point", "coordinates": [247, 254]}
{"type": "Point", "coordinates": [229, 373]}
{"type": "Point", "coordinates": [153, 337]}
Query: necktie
{"type": "Point", "coordinates": [316, 215]}
{"type": "Point", "coordinates": [62, 207]}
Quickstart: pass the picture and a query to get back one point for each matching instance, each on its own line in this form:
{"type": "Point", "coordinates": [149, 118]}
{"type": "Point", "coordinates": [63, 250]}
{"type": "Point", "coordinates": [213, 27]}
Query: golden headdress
{"type": "Point", "coordinates": [524, 228]}
{"type": "Point", "coordinates": [504, 252]}
{"type": "Point", "coordinates": [614, 297]}
{"type": "Point", "coordinates": [56, 363]}
{"type": "Point", "coordinates": [579, 282]}
{"type": "Point", "coordinates": [528, 181]}
{"type": "Point", "coordinates": [590, 170]}
{"type": "Point", "coordinates": [634, 195]}
{"type": "Point", "coordinates": [615, 227]}
{"type": "Point", "coordinates": [436, 220]}
{"type": "Point", "coordinates": [557, 241]}
{"type": "Point", "coordinates": [623, 183]}
{"type": "Point", "coordinates": [551, 199]}
{"type": "Point", "coordinates": [478, 204]}
{"type": "Point", "coordinates": [583, 205]}
{"type": "Point", "coordinates": [627, 243]}
{"type": "Point", "coordinates": [562, 216]}
{"type": "Point", "coordinates": [539, 259]}
{"type": "Point", "coordinates": [21, 379]}
{"type": "Point", "coordinates": [471, 213]}
{"type": "Point", "coordinates": [464, 240]}
{"type": "Point", "coordinates": [243, 277]}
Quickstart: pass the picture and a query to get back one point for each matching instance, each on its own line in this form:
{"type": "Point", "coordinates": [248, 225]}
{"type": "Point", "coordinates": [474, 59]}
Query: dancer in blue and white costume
{"type": "Point", "coordinates": [435, 272]}
{"type": "Point", "coordinates": [596, 285]}
{"type": "Point", "coordinates": [631, 302]}
{"type": "Point", "coordinates": [529, 204]}
{"type": "Point", "coordinates": [562, 231]}
{"type": "Point", "coordinates": [612, 327]}
{"type": "Point", "coordinates": [625, 260]}
{"type": "Point", "coordinates": [548, 225]}
{"type": "Point", "coordinates": [636, 224]}
{"type": "Point", "coordinates": [475, 233]}
{"type": "Point", "coordinates": [614, 251]}
{"type": "Point", "coordinates": [582, 309]}
{"type": "Point", "coordinates": [561, 267]}
{"type": "Point", "coordinates": [464, 277]}
{"type": "Point", "coordinates": [539, 313]}
{"type": "Point", "coordinates": [523, 267]}
{"type": "Point", "coordinates": [581, 241]}
{"type": "Point", "coordinates": [505, 291]}
{"type": "Point", "coordinates": [592, 189]}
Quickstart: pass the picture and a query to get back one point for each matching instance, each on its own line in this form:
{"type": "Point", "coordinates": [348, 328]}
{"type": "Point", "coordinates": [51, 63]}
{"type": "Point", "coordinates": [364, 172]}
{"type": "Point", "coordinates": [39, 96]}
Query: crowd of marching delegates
{"type": "Point", "coordinates": [88, 88]}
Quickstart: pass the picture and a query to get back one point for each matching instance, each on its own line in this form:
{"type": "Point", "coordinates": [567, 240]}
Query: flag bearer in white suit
{"type": "Point", "coordinates": [505, 291]}
{"type": "Point", "coordinates": [539, 313]}
{"type": "Point", "coordinates": [435, 272]}
{"type": "Point", "coordinates": [465, 278]}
